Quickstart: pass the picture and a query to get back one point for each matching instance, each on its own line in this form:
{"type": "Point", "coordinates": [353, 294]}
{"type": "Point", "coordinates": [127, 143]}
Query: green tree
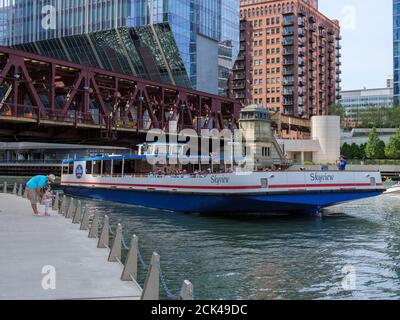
{"type": "Point", "coordinates": [355, 152]}
{"type": "Point", "coordinates": [337, 109]}
{"type": "Point", "coordinates": [375, 148]}
{"type": "Point", "coordinates": [392, 150]}
{"type": "Point", "coordinates": [346, 150]}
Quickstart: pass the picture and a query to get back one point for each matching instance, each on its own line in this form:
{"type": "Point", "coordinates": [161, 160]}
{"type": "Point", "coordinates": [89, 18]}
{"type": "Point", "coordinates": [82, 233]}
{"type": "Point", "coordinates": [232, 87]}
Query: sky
{"type": "Point", "coordinates": [367, 45]}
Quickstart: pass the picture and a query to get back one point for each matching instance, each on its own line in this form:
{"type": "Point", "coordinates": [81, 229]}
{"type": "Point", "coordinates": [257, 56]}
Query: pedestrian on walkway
{"type": "Point", "coordinates": [34, 190]}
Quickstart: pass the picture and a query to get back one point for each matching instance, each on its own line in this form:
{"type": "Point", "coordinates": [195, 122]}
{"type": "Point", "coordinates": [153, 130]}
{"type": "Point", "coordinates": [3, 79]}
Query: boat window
{"type": "Point", "coordinates": [65, 169]}
{"type": "Point", "coordinates": [96, 168]}
{"type": "Point", "coordinates": [117, 167]}
{"type": "Point", "coordinates": [264, 183]}
{"type": "Point", "coordinates": [373, 182]}
{"type": "Point", "coordinates": [107, 167]}
{"type": "Point", "coordinates": [71, 168]}
{"type": "Point", "coordinates": [129, 167]}
{"type": "Point", "coordinates": [89, 167]}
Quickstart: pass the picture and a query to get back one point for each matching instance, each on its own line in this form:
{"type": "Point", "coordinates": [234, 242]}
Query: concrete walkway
{"type": "Point", "coordinates": [28, 244]}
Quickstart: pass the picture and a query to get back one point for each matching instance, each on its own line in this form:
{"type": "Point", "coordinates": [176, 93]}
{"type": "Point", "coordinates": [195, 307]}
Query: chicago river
{"type": "Point", "coordinates": [352, 252]}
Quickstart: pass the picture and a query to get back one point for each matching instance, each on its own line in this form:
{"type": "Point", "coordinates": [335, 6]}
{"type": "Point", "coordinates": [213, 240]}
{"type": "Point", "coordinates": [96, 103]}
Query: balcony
{"type": "Point", "coordinates": [288, 81]}
{"type": "Point", "coordinates": [240, 86]}
{"type": "Point", "coordinates": [338, 63]}
{"type": "Point", "coordinates": [312, 19]}
{"type": "Point", "coordinates": [288, 91]}
{"type": "Point", "coordinates": [339, 37]}
{"type": "Point", "coordinates": [313, 29]}
{"type": "Point", "coordinates": [288, 42]}
{"type": "Point", "coordinates": [288, 51]}
{"type": "Point", "coordinates": [301, 43]}
{"type": "Point", "coordinates": [331, 32]}
{"type": "Point", "coordinates": [338, 80]}
{"type": "Point", "coordinates": [288, 32]}
{"type": "Point", "coordinates": [338, 71]}
{"type": "Point", "coordinates": [288, 62]}
{"type": "Point", "coordinates": [288, 20]}
{"type": "Point", "coordinates": [338, 47]}
{"type": "Point", "coordinates": [239, 67]}
{"type": "Point", "coordinates": [288, 72]}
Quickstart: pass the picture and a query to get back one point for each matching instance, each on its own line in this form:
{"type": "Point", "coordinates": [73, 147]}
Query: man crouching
{"type": "Point", "coordinates": [34, 188]}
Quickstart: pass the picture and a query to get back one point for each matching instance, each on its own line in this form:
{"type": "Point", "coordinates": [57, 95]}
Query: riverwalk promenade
{"type": "Point", "coordinates": [51, 258]}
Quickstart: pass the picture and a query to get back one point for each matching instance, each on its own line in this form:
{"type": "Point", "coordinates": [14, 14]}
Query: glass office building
{"type": "Point", "coordinates": [199, 28]}
{"type": "Point", "coordinates": [396, 47]}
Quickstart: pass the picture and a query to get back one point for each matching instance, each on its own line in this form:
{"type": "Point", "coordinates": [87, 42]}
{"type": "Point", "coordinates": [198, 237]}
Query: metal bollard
{"type": "Point", "coordinates": [186, 291]}
{"type": "Point", "coordinates": [56, 204]}
{"type": "Point", "coordinates": [116, 249]}
{"type": "Point", "coordinates": [104, 240]}
{"type": "Point", "coordinates": [63, 206]}
{"type": "Point", "coordinates": [85, 220]}
{"type": "Point", "coordinates": [151, 289]}
{"type": "Point", "coordinates": [5, 187]}
{"type": "Point", "coordinates": [15, 189]}
{"type": "Point", "coordinates": [131, 264]}
{"type": "Point", "coordinates": [94, 228]}
{"type": "Point", "coordinates": [78, 213]}
{"type": "Point", "coordinates": [25, 193]}
{"type": "Point", "coordinates": [20, 190]}
{"type": "Point", "coordinates": [71, 209]}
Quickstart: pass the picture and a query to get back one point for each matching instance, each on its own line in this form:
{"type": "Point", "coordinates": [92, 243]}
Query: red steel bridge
{"type": "Point", "coordinates": [50, 100]}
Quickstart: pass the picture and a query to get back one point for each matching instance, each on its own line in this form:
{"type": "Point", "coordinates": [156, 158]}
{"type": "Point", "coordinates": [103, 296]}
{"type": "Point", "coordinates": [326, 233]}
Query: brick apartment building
{"type": "Point", "coordinates": [289, 58]}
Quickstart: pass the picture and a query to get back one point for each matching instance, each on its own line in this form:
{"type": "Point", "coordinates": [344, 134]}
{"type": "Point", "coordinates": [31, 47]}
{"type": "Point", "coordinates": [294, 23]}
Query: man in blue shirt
{"type": "Point", "coordinates": [34, 188]}
{"type": "Point", "coordinates": [342, 163]}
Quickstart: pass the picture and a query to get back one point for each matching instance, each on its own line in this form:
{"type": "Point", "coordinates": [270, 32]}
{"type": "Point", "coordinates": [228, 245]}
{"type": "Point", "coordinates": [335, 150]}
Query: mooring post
{"type": "Point", "coordinates": [25, 193]}
{"type": "Point", "coordinates": [71, 209]}
{"type": "Point", "coordinates": [151, 289]}
{"type": "Point", "coordinates": [94, 228]}
{"type": "Point", "coordinates": [131, 264]}
{"type": "Point", "coordinates": [63, 205]}
{"type": "Point", "coordinates": [56, 203]}
{"type": "Point", "coordinates": [5, 187]}
{"type": "Point", "coordinates": [15, 188]}
{"type": "Point", "coordinates": [78, 213]}
{"type": "Point", "coordinates": [85, 220]}
{"type": "Point", "coordinates": [104, 240]}
{"type": "Point", "coordinates": [186, 291]}
{"type": "Point", "coordinates": [116, 249]}
{"type": "Point", "coordinates": [20, 190]}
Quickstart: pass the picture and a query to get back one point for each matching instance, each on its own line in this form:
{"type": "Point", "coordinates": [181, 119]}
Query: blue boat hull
{"type": "Point", "coordinates": [304, 203]}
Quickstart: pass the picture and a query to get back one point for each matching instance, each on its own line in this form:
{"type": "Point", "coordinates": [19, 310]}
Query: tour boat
{"type": "Point", "coordinates": [130, 180]}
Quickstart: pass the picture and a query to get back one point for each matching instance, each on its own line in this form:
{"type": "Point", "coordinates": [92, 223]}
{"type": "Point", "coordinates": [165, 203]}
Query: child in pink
{"type": "Point", "coordinates": [47, 200]}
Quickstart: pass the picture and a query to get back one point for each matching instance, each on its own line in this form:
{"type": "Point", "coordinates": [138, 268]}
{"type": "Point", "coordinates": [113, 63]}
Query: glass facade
{"type": "Point", "coordinates": [396, 46]}
{"type": "Point", "coordinates": [189, 20]}
{"type": "Point", "coordinates": [357, 102]}
{"type": "Point", "coordinates": [149, 52]}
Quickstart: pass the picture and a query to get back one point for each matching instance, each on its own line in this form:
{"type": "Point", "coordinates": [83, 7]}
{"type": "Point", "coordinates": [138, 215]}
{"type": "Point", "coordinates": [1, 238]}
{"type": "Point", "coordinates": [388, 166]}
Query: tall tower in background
{"type": "Point", "coordinates": [289, 58]}
{"type": "Point", "coordinates": [396, 50]}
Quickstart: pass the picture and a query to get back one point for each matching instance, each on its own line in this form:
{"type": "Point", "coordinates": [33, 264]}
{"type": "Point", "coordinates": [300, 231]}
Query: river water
{"type": "Point", "coordinates": [352, 252]}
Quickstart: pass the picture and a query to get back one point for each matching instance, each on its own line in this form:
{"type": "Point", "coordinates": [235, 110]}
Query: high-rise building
{"type": "Point", "coordinates": [202, 29]}
{"type": "Point", "coordinates": [396, 50]}
{"type": "Point", "coordinates": [289, 59]}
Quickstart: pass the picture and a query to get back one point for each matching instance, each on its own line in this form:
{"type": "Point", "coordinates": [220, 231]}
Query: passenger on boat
{"type": "Point", "coordinates": [342, 163]}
